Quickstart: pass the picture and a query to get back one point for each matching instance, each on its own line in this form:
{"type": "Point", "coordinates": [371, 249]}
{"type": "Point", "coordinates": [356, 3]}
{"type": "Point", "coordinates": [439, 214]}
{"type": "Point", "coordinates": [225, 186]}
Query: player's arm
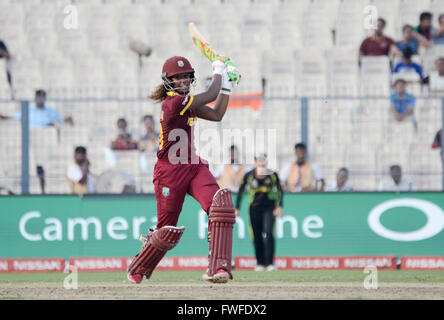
{"type": "Point", "coordinates": [395, 50]}
{"type": "Point", "coordinates": [218, 112]}
{"type": "Point", "coordinates": [421, 39]}
{"type": "Point", "coordinates": [410, 108]}
{"type": "Point", "coordinates": [279, 202]}
{"type": "Point", "coordinates": [408, 112]}
{"type": "Point", "coordinates": [277, 212]}
{"type": "Point", "coordinates": [213, 90]}
{"type": "Point", "coordinates": [4, 51]}
{"type": "Point", "coordinates": [240, 193]}
{"type": "Point", "coordinates": [322, 180]}
{"type": "Point", "coordinates": [395, 114]}
{"type": "Point", "coordinates": [438, 32]}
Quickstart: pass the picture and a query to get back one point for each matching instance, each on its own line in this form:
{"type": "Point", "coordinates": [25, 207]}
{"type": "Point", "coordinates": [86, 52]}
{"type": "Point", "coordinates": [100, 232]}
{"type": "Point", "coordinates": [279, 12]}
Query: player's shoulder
{"type": "Point", "coordinates": [176, 101]}
{"type": "Point", "coordinates": [367, 40]}
{"type": "Point", "coordinates": [249, 173]}
{"type": "Point", "coordinates": [390, 40]}
{"type": "Point", "coordinates": [174, 98]}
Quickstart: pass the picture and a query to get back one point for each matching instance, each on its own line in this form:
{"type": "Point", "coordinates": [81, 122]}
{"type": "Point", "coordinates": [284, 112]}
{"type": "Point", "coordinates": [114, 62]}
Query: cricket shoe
{"type": "Point", "coordinates": [259, 268]}
{"type": "Point", "coordinates": [135, 278]}
{"type": "Point", "coordinates": [271, 268]}
{"type": "Point", "coordinates": [207, 277]}
{"type": "Point", "coordinates": [221, 276]}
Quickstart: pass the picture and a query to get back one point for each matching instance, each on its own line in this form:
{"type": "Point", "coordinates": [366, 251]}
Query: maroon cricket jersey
{"type": "Point", "coordinates": [177, 115]}
{"type": "Point", "coordinates": [371, 47]}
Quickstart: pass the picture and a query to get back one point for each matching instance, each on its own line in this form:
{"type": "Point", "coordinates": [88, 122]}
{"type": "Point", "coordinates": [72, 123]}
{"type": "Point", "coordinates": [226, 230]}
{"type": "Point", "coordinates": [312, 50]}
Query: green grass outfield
{"type": "Point", "coordinates": [239, 276]}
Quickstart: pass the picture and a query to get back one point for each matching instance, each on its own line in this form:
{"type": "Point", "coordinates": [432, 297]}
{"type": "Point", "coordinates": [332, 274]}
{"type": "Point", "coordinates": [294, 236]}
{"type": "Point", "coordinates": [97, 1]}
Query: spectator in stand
{"type": "Point", "coordinates": [396, 182]}
{"type": "Point", "coordinates": [42, 115]}
{"type": "Point", "coordinates": [150, 140]}
{"type": "Point", "coordinates": [378, 44]}
{"type": "Point", "coordinates": [340, 185]}
{"type": "Point", "coordinates": [412, 39]}
{"type": "Point", "coordinates": [437, 141]}
{"type": "Point", "coordinates": [402, 103]}
{"type": "Point", "coordinates": [4, 54]}
{"type": "Point", "coordinates": [302, 175]}
{"type": "Point", "coordinates": [438, 34]}
{"type": "Point", "coordinates": [5, 191]}
{"type": "Point", "coordinates": [436, 77]}
{"type": "Point", "coordinates": [123, 140]}
{"type": "Point", "coordinates": [230, 175]}
{"type": "Point", "coordinates": [408, 68]}
{"type": "Point", "coordinates": [80, 179]}
{"type": "Point", "coordinates": [425, 25]}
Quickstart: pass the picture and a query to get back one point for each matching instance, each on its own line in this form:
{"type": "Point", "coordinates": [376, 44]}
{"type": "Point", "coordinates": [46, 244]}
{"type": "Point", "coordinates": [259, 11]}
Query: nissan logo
{"type": "Point", "coordinates": [434, 225]}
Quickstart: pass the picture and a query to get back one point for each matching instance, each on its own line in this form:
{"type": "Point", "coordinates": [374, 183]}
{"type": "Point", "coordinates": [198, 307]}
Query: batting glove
{"type": "Point", "coordinates": [218, 67]}
{"type": "Point", "coordinates": [233, 73]}
{"type": "Point", "coordinates": [227, 84]}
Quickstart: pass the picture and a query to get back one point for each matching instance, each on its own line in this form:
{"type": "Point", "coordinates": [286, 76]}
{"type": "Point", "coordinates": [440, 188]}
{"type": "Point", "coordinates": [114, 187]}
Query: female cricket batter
{"type": "Point", "coordinates": [179, 171]}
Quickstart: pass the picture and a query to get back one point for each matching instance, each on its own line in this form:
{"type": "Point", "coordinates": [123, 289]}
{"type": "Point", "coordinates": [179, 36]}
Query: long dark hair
{"type": "Point", "coordinates": [159, 94]}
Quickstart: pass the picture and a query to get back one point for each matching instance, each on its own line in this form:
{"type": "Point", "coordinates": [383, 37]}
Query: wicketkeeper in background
{"type": "Point", "coordinates": [265, 200]}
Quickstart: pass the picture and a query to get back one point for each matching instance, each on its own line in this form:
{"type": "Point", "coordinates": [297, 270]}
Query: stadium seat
{"type": "Point", "coordinates": [11, 14]}
{"type": "Point", "coordinates": [27, 77]}
{"type": "Point", "coordinates": [329, 158]}
{"type": "Point", "coordinates": [311, 74]}
{"type": "Point", "coordinates": [11, 28]}
{"type": "Point", "coordinates": [10, 157]}
{"type": "Point", "coordinates": [300, 47]}
{"type": "Point", "coordinates": [436, 7]}
{"type": "Point", "coordinates": [349, 29]}
{"type": "Point", "coordinates": [57, 75]}
{"type": "Point", "coordinates": [317, 36]}
{"type": "Point", "coordinates": [342, 73]}
{"type": "Point", "coordinates": [72, 42]}
{"type": "Point", "coordinates": [374, 76]}
{"type": "Point", "coordinates": [375, 65]}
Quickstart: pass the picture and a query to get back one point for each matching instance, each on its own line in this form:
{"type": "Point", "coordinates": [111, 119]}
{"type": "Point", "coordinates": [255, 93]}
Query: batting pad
{"type": "Point", "coordinates": [155, 248]}
{"type": "Point", "coordinates": [222, 219]}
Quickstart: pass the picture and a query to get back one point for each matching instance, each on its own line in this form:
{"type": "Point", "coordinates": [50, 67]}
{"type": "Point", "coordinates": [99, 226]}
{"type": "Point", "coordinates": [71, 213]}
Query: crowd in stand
{"type": "Point", "coordinates": [301, 175]}
{"type": "Point", "coordinates": [406, 70]}
{"type": "Point", "coordinates": [304, 176]}
{"type": "Point", "coordinates": [83, 181]}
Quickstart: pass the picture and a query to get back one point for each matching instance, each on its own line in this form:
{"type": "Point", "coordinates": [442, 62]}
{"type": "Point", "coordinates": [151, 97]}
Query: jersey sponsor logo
{"type": "Point", "coordinates": [191, 121]}
{"type": "Point", "coordinates": [185, 100]}
{"type": "Point", "coordinates": [166, 191]}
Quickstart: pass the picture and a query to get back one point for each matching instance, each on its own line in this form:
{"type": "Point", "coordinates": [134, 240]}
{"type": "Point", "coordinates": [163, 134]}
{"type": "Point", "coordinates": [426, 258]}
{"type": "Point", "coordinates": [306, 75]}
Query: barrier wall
{"type": "Point", "coordinates": [355, 224]}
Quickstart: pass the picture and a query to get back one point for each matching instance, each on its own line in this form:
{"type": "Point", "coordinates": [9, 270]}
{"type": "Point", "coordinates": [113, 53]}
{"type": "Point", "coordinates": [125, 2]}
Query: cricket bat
{"type": "Point", "coordinates": [207, 51]}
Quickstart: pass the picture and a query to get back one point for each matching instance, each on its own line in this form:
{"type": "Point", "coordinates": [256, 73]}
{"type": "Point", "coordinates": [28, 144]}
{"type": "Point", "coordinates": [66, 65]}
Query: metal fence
{"type": "Point", "coordinates": [353, 132]}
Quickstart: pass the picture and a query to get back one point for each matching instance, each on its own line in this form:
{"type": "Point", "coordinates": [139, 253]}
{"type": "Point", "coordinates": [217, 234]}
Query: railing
{"type": "Point", "coordinates": [353, 132]}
